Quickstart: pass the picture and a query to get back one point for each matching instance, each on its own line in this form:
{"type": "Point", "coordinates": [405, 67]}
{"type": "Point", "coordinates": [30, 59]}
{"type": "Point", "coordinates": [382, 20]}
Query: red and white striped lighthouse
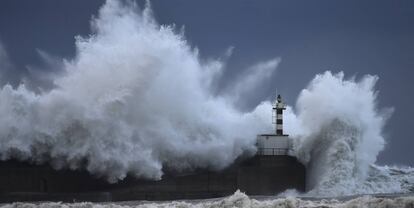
{"type": "Point", "coordinates": [278, 107]}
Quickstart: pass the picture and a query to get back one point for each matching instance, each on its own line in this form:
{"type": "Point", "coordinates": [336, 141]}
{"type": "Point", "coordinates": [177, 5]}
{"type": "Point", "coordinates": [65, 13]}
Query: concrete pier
{"type": "Point", "coordinates": [260, 175]}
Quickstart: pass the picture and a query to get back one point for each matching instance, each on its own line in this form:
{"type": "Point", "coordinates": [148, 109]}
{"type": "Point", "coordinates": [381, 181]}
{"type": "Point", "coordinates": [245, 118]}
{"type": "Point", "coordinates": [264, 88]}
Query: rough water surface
{"type": "Point", "coordinates": [241, 200]}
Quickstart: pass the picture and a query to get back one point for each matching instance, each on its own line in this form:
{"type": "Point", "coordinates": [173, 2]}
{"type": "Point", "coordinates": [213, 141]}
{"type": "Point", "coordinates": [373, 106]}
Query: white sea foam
{"type": "Point", "coordinates": [241, 200]}
{"type": "Point", "coordinates": [340, 133]}
{"type": "Point", "coordinates": [136, 98]}
{"type": "Point", "coordinates": [340, 137]}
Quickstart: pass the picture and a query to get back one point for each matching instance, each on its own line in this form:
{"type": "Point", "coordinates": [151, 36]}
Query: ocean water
{"type": "Point", "coordinates": [239, 199]}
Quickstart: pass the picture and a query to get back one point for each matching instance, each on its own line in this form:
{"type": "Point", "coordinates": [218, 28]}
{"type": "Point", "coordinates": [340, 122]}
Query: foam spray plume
{"type": "Point", "coordinates": [137, 98]}
{"type": "Point", "coordinates": [340, 134]}
{"type": "Point", "coordinates": [134, 99]}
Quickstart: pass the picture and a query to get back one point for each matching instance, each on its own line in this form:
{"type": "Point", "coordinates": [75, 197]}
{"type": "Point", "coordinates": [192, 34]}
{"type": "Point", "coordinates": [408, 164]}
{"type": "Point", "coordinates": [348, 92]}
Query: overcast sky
{"type": "Point", "coordinates": [357, 37]}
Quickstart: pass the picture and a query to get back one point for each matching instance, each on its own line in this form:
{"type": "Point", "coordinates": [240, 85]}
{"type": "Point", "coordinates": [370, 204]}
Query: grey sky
{"type": "Point", "coordinates": [357, 37]}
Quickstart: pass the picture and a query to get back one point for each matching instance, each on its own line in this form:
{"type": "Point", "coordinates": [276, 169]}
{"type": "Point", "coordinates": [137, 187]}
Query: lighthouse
{"type": "Point", "coordinates": [277, 114]}
{"type": "Point", "coordinates": [276, 143]}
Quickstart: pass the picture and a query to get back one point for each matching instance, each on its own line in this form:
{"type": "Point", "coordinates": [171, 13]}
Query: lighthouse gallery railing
{"type": "Point", "coordinates": [272, 151]}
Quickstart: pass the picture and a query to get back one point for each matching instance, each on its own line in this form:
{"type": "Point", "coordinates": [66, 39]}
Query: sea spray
{"type": "Point", "coordinates": [341, 133]}
{"type": "Point", "coordinates": [134, 100]}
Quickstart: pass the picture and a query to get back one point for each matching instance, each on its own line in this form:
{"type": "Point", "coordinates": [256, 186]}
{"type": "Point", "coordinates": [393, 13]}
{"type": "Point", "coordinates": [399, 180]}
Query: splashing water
{"type": "Point", "coordinates": [241, 200]}
{"type": "Point", "coordinates": [137, 98]}
{"type": "Point", "coordinates": [340, 132]}
{"type": "Point", "coordinates": [134, 99]}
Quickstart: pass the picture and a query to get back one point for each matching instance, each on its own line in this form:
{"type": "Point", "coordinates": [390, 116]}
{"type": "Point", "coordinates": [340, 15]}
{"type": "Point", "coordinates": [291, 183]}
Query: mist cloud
{"type": "Point", "coordinates": [248, 82]}
{"type": "Point", "coordinates": [5, 65]}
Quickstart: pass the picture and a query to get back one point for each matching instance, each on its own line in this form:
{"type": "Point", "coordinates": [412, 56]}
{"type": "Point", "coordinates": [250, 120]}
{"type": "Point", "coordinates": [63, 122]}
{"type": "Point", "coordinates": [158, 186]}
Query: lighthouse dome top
{"type": "Point", "coordinates": [278, 104]}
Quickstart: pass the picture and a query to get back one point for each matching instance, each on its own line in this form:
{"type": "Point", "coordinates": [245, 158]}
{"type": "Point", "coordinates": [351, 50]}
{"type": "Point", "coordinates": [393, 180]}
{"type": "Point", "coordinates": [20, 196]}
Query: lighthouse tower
{"type": "Point", "coordinates": [276, 143]}
{"type": "Point", "coordinates": [277, 115]}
